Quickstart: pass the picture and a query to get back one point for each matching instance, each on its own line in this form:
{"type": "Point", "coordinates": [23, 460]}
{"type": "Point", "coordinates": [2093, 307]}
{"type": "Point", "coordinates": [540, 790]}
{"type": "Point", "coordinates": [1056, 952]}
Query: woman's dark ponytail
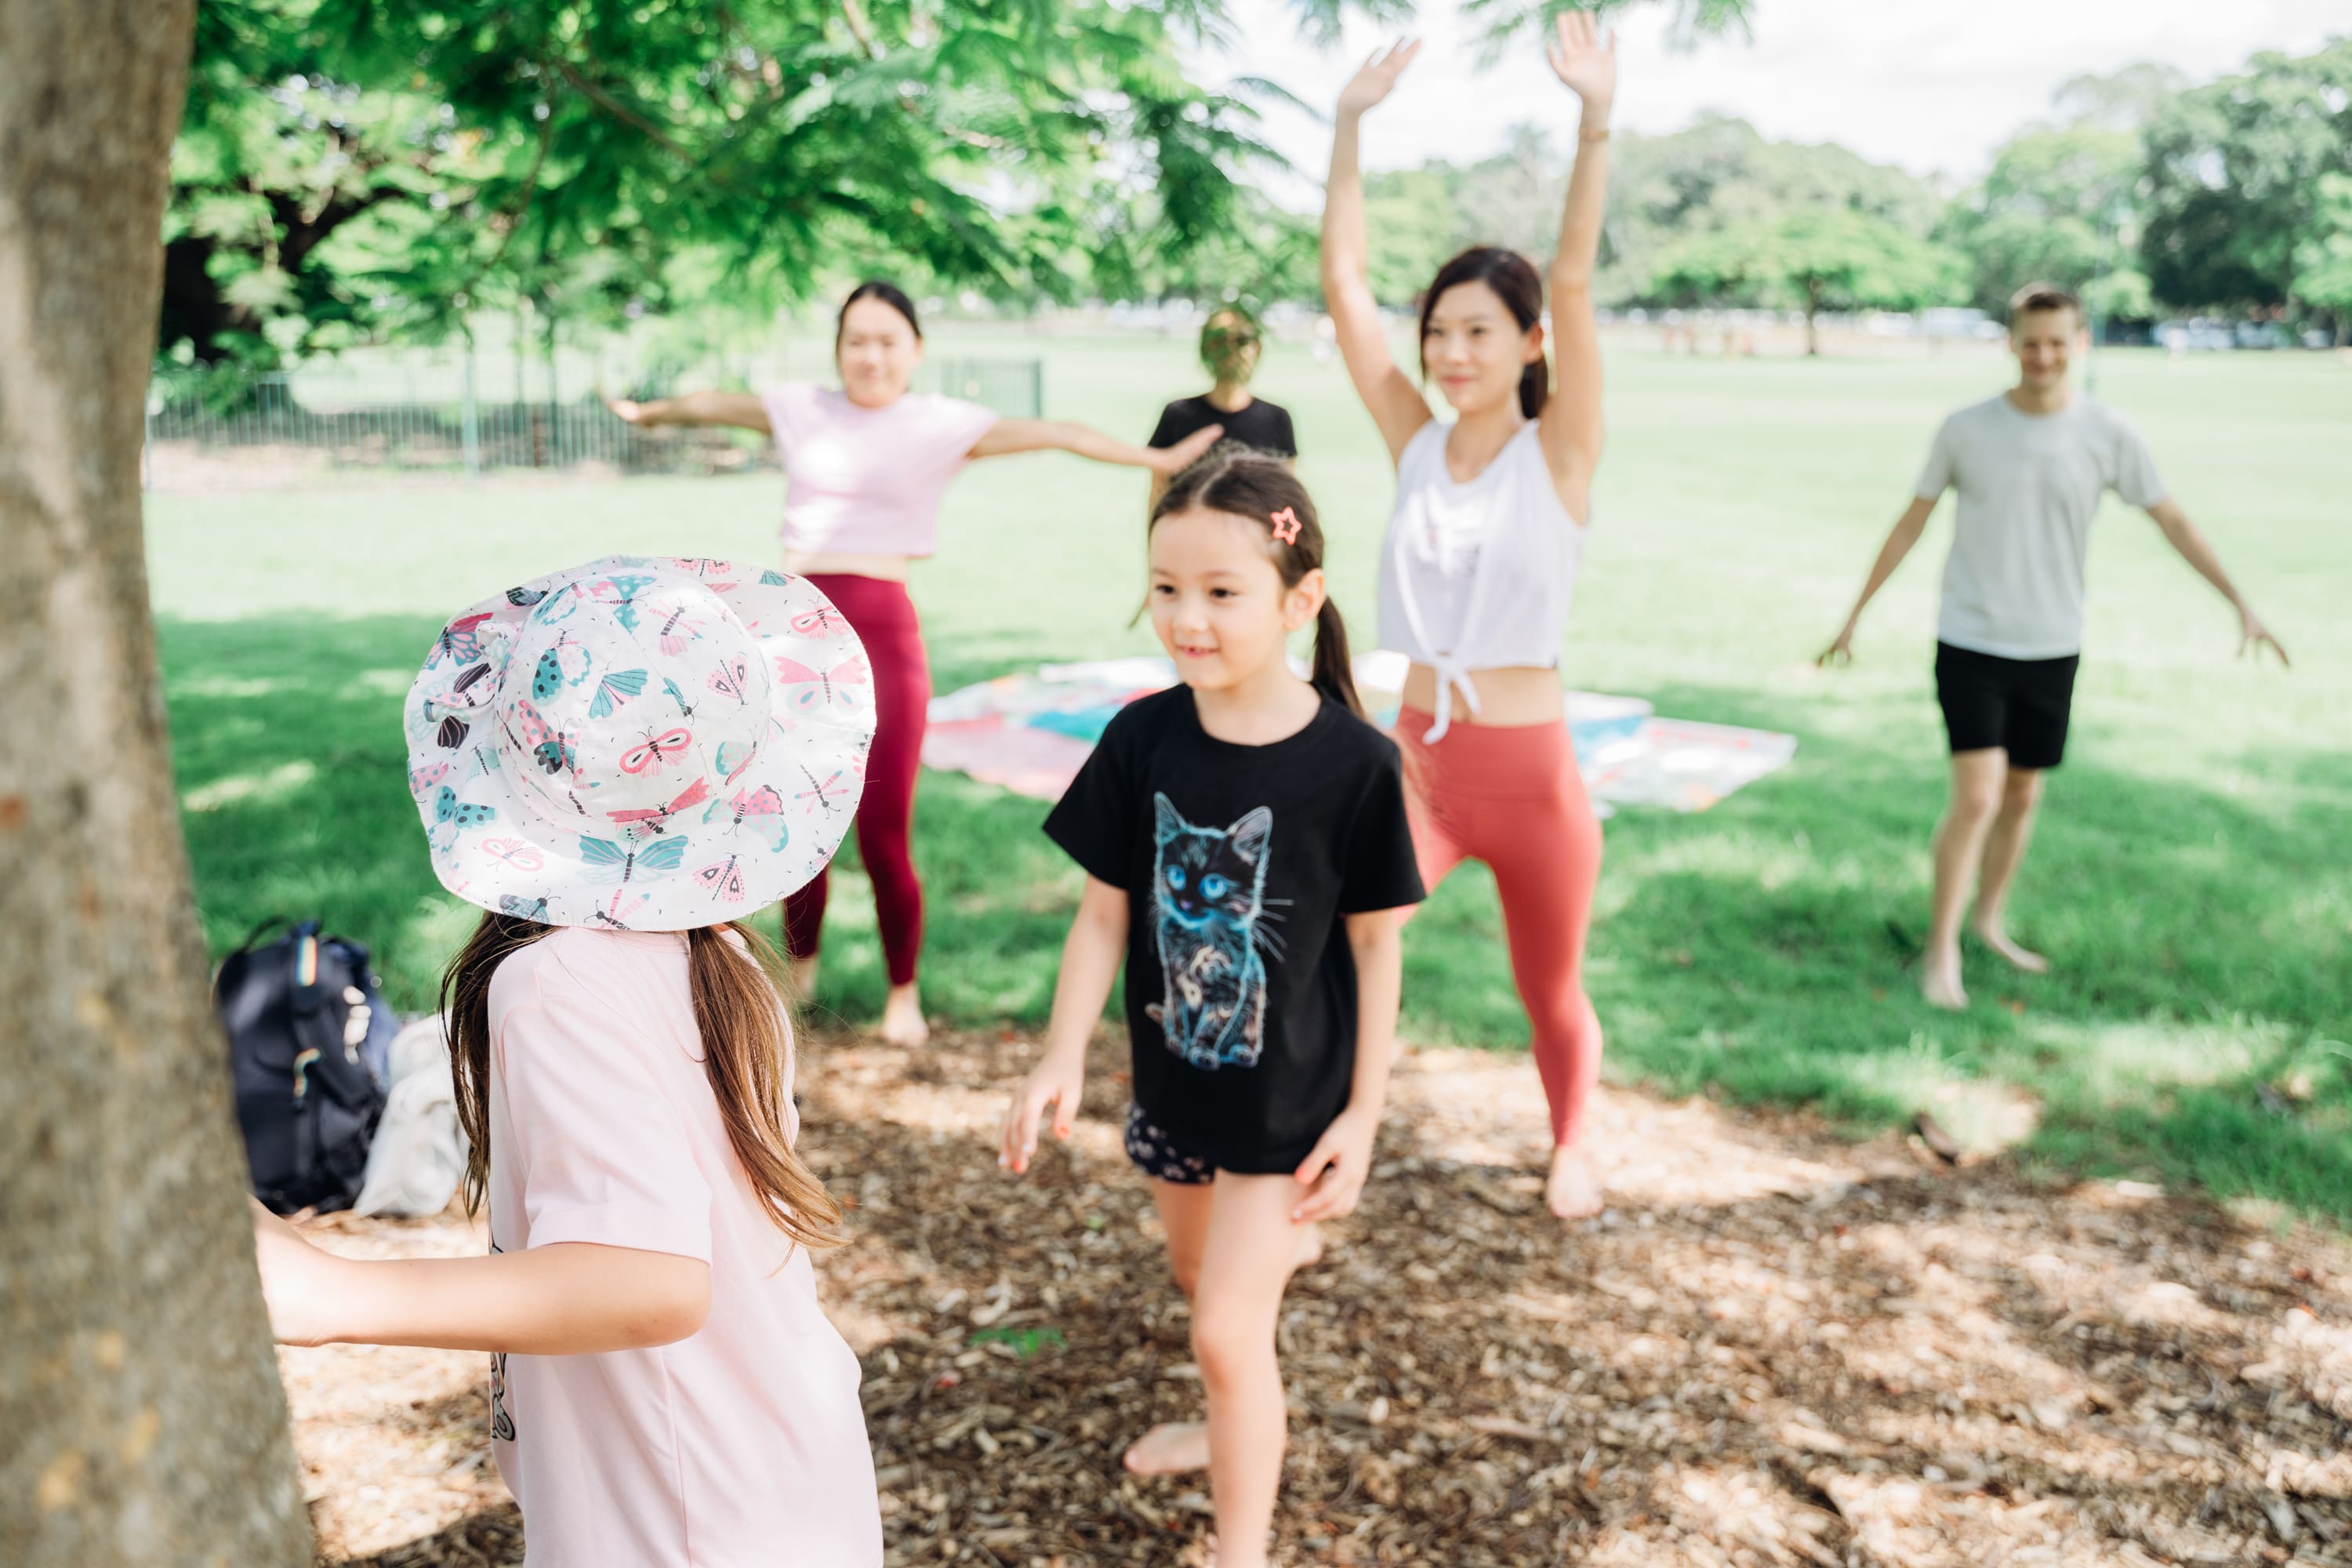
{"type": "Point", "coordinates": [1260, 487]}
{"type": "Point", "coordinates": [1535, 386]}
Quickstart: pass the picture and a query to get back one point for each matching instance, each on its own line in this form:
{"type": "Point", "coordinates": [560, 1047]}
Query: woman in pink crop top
{"type": "Point", "coordinates": [1481, 553]}
{"type": "Point", "coordinates": [866, 468]}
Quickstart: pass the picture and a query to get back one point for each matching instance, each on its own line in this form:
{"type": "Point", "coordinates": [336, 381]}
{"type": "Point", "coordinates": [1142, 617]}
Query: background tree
{"type": "Point", "coordinates": [355, 167]}
{"type": "Point", "coordinates": [2235, 173]}
{"type": "Point", "coordinates": [1817, 261]}
{"type": "Point", "coordinates": [2323, 258]}
{"type": "Point", "coordinates": [144, 1421]}
{"type": "Point", "coordinates": [2060, 204]}
{"type": "Point", "coordinates": [1718, 173]}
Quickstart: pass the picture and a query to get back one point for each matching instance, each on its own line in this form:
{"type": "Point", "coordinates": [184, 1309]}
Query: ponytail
{"type": "Point", "coordinates": [1535, 387]}
{"type": "Point", "coordinates": [1334, 676]}
{"type": "Point", "coordinates": [747, 1043]}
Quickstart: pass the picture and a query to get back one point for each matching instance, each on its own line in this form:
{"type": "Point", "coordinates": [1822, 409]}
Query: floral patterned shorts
{"type": "Point", "coordinates": [1160, 1157]}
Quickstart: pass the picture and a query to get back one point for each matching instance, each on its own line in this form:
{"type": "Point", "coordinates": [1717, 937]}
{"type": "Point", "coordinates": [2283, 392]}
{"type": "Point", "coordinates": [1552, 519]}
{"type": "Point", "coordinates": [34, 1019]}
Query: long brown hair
{"type": "Point", "coordinates": [1513, 279]}
{"type": "Point", "coordinates": [739, 1010]}
{"type": "Point", "coordinates": [1257, 486]}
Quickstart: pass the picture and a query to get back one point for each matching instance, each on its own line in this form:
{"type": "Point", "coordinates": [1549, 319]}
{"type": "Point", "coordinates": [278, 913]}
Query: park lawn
{"type": "Point", "coordinates": [2192, 878]}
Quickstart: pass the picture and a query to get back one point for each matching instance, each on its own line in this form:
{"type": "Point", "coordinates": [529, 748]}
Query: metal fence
{"type": "Point", "coordinates": [269, 420]}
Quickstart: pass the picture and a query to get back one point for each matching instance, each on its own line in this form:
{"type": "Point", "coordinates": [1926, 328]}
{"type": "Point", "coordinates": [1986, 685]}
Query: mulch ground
{"type": "Point", "coordinates": [1777, 1349]}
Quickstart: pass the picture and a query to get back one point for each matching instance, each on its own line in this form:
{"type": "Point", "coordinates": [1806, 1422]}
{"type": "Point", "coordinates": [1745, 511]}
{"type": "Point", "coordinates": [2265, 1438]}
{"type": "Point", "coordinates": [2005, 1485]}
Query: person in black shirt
{"type": "Point", "coordinates": [1248, 854]}
{"type": "Point", "coordinates": [1231, 342]}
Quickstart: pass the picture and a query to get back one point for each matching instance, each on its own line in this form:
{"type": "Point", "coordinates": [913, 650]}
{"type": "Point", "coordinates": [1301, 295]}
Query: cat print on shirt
{"type": "Point", "coordinates": [1208, 888]}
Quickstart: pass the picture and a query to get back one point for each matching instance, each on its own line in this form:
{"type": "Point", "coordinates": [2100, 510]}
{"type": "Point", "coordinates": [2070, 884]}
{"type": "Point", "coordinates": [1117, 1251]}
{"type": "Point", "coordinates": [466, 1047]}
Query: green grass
{"type": "Point", "coordinates": [2192, 876]}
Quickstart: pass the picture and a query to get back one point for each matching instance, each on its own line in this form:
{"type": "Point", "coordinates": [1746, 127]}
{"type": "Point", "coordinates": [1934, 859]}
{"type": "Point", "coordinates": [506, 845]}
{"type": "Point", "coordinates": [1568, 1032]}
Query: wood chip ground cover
{"type": "Point", "coordinates": [1778, 1350]}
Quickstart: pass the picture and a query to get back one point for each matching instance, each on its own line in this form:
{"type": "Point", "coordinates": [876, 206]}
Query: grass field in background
{"type": "Point", "coordinates": [2192, 878]}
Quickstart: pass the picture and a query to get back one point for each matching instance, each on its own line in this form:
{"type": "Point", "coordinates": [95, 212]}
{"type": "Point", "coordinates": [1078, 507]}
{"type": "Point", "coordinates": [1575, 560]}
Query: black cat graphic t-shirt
{"type": "Point", "coordinates": [1241, 863]}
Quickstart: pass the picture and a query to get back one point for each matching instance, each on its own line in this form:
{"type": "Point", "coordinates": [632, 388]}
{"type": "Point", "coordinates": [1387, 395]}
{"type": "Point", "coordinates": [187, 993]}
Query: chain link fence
{"type": "Point", "coordinates": [301, 421]}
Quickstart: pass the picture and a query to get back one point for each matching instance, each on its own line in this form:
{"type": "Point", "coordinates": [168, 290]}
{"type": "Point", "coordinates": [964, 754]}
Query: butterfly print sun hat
{"type": "Point", "coordinates": [644, 744]}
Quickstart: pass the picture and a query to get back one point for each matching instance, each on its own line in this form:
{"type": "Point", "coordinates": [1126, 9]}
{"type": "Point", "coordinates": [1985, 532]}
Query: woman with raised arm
{"type": "Point", "coordinates": [865, 466]}
{"type": "Point", "coordinates": [1479, 562]}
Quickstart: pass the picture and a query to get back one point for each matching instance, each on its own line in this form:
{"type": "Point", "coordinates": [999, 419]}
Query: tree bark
{"type": "Point", "coordinates": [140, 1417]}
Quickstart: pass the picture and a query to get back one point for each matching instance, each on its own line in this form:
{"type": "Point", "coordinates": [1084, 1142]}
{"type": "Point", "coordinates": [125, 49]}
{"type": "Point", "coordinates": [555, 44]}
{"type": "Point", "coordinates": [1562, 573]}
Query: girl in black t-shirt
{"type": "Point", "coordinates": [1231, 340]}
{"type": "Point", "coordinates": [1247, 856]}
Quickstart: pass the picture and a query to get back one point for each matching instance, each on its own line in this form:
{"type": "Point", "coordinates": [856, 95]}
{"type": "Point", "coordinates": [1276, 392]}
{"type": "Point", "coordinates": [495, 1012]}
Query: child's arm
{"type": "Point", "coordinates": [1090, 959]}
{"type": "Point", "coordinates": [570, 1298]}
{"type": "Point", "coordinates": [1336, 1169]}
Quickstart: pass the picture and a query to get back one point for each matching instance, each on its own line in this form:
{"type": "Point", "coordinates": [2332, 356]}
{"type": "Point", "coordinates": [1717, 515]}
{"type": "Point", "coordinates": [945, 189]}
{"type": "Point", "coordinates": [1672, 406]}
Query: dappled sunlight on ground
{"type": "Point", "coordinates": [1776, 1349]}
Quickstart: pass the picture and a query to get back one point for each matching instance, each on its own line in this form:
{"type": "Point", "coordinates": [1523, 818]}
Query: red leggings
{"type": "Point", "coordinates": [882, 616]}
{"type": "Point", "coordinates": [1510, 795]}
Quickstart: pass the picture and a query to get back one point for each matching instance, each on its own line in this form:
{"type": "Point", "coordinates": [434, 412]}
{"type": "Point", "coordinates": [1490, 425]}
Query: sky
{"type": "Point", "coordinates": [1932, 85]}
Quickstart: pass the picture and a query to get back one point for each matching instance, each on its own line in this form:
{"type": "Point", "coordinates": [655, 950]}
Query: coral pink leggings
{"type": "Point", "coordinates": [1510, 795]}
{"type": "Point", "coordinates": [883, 616]}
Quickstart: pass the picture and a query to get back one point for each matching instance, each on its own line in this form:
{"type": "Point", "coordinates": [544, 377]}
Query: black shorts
{"type": "Point", "coordinates": [2020, 705]}
{"type": "Point", "coordinates": [1160, 1157]}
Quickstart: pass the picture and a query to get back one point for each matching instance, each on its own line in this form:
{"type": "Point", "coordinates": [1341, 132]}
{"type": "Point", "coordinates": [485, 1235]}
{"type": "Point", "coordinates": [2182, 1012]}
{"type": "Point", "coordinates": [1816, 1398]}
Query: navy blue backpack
{"type": "Point", "coordinates": [310, 1039]}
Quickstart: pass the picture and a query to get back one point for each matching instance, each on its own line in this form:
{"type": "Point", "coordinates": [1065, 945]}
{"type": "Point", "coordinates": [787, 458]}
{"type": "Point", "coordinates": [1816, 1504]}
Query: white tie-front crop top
{"type": "Point", "coordinates": [1476, 575]}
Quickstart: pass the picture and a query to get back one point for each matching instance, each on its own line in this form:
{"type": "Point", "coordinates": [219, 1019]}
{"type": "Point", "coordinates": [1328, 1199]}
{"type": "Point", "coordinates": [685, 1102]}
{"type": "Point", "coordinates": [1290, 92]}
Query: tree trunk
{"type": "Point", "coordinates": [141, 1415]}
{"type": "Point", "coordinates": [1812, 315]}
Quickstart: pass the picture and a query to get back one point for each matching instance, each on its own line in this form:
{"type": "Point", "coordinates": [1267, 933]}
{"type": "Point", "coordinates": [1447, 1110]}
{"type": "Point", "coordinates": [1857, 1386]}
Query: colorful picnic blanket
{"type": "Point", "coordinates": [1031, 731]}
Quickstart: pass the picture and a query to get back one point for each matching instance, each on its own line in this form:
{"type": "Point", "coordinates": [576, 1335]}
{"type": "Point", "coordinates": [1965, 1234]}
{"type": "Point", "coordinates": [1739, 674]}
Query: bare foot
{"type": "Point", "coordinates": [1572, 1191]}
{"type": "Point", "coordinates": [902, 1019]}
{"type": "Point", "coordinates": [2000, 941]}
{"type": "Point", "coordinates": [804, 977]}
{"type": "Point", "coordinates": [1172, 1448]}
{"type": "Point", "coordinates": [1310, 1247]}
{"type": "Point", "coordinates": [1942, 985]}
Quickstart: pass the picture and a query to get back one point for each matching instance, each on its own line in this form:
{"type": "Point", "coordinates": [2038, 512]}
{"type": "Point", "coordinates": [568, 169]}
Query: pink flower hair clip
{"type": "Point", "coordinates": [1285, 526]}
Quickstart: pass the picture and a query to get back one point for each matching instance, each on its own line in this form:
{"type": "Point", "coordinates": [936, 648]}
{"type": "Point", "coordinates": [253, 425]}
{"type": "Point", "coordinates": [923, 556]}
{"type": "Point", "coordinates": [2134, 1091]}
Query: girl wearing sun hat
{"type": "Point", "coordinates": [617, 763]}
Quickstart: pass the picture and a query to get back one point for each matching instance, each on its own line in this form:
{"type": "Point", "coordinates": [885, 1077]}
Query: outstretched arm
{"type": "Point", "coordinates": [568, 1298]}
{"type": "Point", "coordinates": [1008, 435]}
{"type": "Point", "coordinates": [1570, 427]}
{"type": "Point", "coordinates": [1396, 403]}
{"type": "Point", "coordinates": [741, 409]}
{"type": "Point", "coordinates": [1899, 541]}
{"type": "Point", "coordinates": [2183, 535]}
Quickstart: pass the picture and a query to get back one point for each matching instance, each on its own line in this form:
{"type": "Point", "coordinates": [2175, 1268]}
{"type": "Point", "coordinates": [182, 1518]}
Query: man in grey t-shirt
{"type": "Point", "coordinates": [2029, 466]}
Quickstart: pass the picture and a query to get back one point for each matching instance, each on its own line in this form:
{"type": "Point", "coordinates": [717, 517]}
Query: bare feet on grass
{"type": "Point", "coordinates": [1939, 982]}
{"type": "Point", "coordinates": [902, 1019]}
{"type": "Point", "coordinates": [1572, 1191]}
{"type": "Point", "coordinates": [1996, 937]}
{"type": "Point", "coordinates": [1172, 1448]}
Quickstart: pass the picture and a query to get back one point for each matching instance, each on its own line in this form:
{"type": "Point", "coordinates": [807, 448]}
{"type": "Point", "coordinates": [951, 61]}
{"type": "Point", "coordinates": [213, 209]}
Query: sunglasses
{"type": "Point", "coordinates": [1235, 339]}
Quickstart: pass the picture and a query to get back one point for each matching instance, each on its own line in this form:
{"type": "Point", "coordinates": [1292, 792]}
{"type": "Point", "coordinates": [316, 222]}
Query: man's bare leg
{"type": "Point", "coordinates": [2004, 852]}
{"type": "Point", "coordinates": [1959, 849]}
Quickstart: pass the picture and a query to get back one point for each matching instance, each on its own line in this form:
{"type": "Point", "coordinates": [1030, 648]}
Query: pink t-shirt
{"type": "Point", "coordinates": [742, 1446]}
{"type": "Point", "coordinates": [868, 480]}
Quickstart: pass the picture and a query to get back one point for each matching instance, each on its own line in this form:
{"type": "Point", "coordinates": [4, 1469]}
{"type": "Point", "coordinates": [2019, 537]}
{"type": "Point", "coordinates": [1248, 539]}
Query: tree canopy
{"type": "Point", "coordinates": [349, 167]}
{"type": "Point", "coordinates": [2236, 173]}
{"type": "Point", "coordinates": [1816, 259]}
